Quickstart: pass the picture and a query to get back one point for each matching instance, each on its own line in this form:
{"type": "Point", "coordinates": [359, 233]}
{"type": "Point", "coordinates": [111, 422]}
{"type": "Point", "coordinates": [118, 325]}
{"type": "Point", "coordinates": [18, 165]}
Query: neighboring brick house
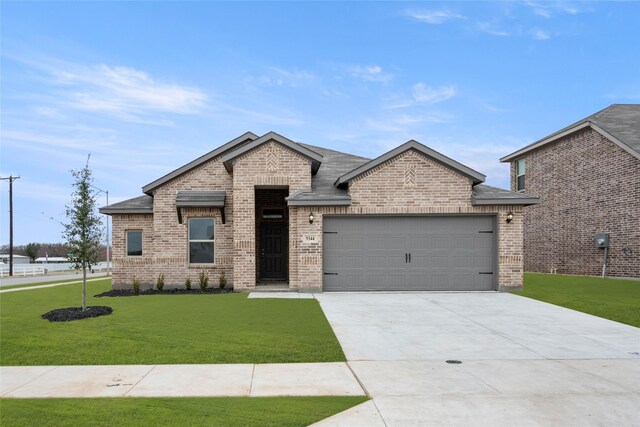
{"type": "Point", "coordinates": [267, 210]}
{"type": "Point", "coordinates": [587, 177]}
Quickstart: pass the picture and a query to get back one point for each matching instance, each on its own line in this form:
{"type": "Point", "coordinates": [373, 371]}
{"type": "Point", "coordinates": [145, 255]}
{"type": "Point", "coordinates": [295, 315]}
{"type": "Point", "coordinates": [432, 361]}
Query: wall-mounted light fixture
{"type": "Point", "coordinates": [311, 218]}
{"type": "Point", "coordinates": [509, 216]}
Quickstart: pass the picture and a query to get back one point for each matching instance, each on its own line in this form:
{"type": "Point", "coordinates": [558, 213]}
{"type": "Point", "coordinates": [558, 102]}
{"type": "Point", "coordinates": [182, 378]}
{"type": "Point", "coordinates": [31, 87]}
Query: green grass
{"type": "Point", "coordinates": [201, 411]}
{"type": "Point", "coordinates": [163, 329]}
{"type": "Point", "coordinates": [613, 299]}
{"type": "Point", "coordinates": [28, 285]}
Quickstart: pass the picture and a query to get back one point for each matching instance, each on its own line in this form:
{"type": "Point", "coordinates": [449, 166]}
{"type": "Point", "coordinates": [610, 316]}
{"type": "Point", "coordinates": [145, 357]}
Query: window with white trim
{"type": "Point", "coordinates": [201, 240]}
{"type": "Point", "coordinates": [520, 167]}
{"type": "Point", "coordinates": [134, 242]}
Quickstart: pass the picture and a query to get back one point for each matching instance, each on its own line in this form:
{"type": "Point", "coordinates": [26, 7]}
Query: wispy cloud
{"type": "Point", "coordinates": [433, 17]}
{"type": "Point", "coordinates": [371, 73]}
{"type": "Point", "coordinates": [421, 94]}
{"type": "Point", "coordinates": [69, 140]}
{"type": "Point", "coordinates": [549, 9]}
{"type": "Point", "coordinates": [276, 76]}
{"type": "Point", "coordinates": [490, 107]}
{"type": "Point", "coordinates": [123, 92]}
{"type": "Point", "coordinates": [489, 28]}
{"type": "Point", "coordinates": [124, 89]}
{"type": "Point", "coordinates": [539, 34]}
{"type": "Point", "coordinates": [424, 94]}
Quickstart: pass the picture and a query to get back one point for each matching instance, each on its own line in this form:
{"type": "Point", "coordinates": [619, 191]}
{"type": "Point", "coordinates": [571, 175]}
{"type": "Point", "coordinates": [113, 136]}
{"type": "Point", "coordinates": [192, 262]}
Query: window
{"type": "Point", "coordinates": [520, 166]}
{"type": "Point", "coordinates": [201, 240]}
{"type": "Point", "coordinates": [268, 213]}
{"type": "Point", "coordinates": [134, 243]}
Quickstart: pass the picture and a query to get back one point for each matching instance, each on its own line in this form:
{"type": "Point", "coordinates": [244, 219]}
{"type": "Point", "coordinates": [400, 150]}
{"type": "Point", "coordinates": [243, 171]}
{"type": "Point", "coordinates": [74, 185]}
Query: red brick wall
{"type": "Point", "coordinates": [586, 184]}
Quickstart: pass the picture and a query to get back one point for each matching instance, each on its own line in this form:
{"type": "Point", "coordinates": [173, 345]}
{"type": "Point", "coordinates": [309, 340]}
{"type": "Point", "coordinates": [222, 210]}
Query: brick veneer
{"type": "Point", "coordinates": [270, 165]}
{"type": "Point", "coordinates": [438, 190]}
{"type": "Point", "coordinates": [409, 183]}
{"type": "Point", "coordinates": [166, 248]}
{"type": "Point", "coordinates": [586, 184]}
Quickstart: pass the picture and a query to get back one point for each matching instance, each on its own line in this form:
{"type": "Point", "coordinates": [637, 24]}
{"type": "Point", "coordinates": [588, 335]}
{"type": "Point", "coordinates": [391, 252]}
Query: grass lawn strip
{"type": "Point", "coordinates": [613, 299]}
{"type": "Point", "coordinates": [54, 282]}
{"type": "Point", "coordinates": [163, 329]}
{"type": "Point", "coordinates": [127, 411]}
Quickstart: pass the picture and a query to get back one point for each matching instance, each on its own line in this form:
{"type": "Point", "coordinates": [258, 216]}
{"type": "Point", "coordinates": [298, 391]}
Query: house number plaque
{"type": "Point", "coordinates": [309, 238]}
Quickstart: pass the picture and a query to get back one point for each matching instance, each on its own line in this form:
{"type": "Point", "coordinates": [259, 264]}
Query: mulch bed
{"type": "Point", "coordinates": [176, 291]}
{"type": "Point", "coordinates": [76, 313]}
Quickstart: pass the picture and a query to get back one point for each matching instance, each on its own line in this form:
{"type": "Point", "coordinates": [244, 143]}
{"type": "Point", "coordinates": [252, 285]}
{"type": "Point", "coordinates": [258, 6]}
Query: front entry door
{"type": "Point", "coordinates": [273, 251]}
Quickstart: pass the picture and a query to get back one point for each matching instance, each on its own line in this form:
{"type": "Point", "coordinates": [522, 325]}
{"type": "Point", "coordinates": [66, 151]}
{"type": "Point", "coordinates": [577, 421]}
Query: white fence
{"type": "Point", "coordinates": [40, 269]}
{"type": "Point", "coordinates": [21, 270]}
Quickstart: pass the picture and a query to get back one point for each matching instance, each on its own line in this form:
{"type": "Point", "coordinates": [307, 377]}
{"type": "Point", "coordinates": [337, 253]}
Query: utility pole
{"type": "Point", "coordinates": [10, 179]}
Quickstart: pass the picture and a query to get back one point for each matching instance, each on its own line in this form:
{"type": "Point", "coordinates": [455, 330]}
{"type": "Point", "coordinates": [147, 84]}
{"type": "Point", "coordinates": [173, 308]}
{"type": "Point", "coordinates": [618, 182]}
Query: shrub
{"type": "Point", "coordinates": [160, 282]}
{"type": "Point", "coordinates": [222, 280]}
{"type": "Point", "coordinates": [136, 286]}
{"type": "Point", "coordinates": [203, 278]}
{"type": "Point", "coordinates": [187, 283]}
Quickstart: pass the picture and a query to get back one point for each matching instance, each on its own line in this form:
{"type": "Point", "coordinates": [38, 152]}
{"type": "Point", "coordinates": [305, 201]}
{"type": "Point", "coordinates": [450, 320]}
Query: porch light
{"type": "Point", "coordinates": [509, 216]}
{"type": "Point", "coordinates": [311, 217]}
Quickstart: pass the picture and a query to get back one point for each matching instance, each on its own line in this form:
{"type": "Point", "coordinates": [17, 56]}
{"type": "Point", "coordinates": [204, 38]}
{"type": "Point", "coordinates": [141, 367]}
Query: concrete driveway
{"type": "Point", "coordinates": [524, 362]}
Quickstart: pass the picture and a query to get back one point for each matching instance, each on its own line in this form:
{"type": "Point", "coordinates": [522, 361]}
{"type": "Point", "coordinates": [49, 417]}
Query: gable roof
{"type": "Point", "coordinates": [242, 139]}
{"type": "Point", "coordinates": [141, 204]}
{"type": "Point", "coordinates": [483, 194]}
{"type": "Point", "coordinates": [475, 176]}
{"type": "Point", "coordinates": [619, 123]}
{"type": "Point", "coordinates": [328, 185]}
{"type": "Point", "coordinates": [316, 159]}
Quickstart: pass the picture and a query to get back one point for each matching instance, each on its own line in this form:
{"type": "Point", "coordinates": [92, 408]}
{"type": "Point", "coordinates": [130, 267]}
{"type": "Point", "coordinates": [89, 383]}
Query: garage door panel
{"type": "Point", "coordinates": [447, 253]}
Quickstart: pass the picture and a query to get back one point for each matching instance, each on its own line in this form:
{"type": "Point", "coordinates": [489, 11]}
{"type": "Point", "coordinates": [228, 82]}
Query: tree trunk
{"type": "Point", "coordinates": [84, 286]}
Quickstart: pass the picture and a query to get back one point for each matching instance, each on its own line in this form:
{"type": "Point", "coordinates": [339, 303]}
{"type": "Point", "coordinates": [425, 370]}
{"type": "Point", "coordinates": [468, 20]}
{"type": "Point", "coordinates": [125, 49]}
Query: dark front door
{"type": "Point", "coordinates": [273, 250]}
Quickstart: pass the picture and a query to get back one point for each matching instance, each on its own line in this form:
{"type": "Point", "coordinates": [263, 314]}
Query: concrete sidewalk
{"type": "Point", "coordinates": [287, 379]}
{"type": "Point", "coordinates": [51, 285]}
{"type": "Point", "coordinates": [26, 280]}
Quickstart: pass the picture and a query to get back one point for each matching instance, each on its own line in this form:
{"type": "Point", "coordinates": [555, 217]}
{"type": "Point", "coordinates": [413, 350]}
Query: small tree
{"type": "Point", "coordinates": [83, 231]}
{"type": "Point", "coordinates": [32, 250]}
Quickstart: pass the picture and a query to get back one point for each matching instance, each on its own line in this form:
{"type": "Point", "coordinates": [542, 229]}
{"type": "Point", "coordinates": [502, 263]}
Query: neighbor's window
{"type": "Point", "coordinates": [134, 243]}
{"type": "Point", "coordinates": [201, 240]}
{"type": "Point", "coordinates": [520, 165]}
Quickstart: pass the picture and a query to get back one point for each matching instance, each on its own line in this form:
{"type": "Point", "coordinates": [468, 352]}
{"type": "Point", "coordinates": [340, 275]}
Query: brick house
{"type": "Point", "coordinates": [265, 210]}
{"type": "Point", "coordinates": [587, 177]}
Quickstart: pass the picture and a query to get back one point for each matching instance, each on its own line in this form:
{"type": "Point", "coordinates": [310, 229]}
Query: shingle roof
{"type": "Point", "coordinates": [142, 204]}
{"type": "Point", "coordinates": [229, 146]}
{"type": "Point", "coordinates": [618, 122]}
{"type": "Point", "coordinates": [483, 194]}
{"type": "Point", "coordinates": [323, 190]}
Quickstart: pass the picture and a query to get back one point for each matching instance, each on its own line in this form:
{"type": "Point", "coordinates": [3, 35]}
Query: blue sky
{"type": "Point", "coordinates": [148, 86]}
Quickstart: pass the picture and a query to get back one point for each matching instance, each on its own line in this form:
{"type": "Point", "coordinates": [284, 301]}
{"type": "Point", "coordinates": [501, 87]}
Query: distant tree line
{"type": "Point", "coordinates": [35, 250]}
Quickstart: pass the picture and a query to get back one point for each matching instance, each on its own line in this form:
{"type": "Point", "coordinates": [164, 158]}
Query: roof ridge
{"type": "Point", "coordinates": [334, 151]}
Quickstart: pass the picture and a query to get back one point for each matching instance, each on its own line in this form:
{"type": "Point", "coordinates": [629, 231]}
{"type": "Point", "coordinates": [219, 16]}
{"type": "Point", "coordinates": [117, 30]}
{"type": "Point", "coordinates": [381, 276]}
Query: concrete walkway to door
{"type": "Point", "coordinates": [524, 362]}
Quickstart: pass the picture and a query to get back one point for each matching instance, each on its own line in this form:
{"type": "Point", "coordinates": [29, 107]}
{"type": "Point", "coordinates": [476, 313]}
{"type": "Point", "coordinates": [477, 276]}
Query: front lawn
{"type": "Point", "coordinates": [199, 411]}
{"type": "Point", "coordinates": [613, 299]}
{"type": "Point", "coordinates": [163, 329]}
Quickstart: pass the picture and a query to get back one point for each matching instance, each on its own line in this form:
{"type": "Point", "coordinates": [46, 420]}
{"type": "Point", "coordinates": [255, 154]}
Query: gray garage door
{"type": "Point", "coordinates": [409, 253]}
